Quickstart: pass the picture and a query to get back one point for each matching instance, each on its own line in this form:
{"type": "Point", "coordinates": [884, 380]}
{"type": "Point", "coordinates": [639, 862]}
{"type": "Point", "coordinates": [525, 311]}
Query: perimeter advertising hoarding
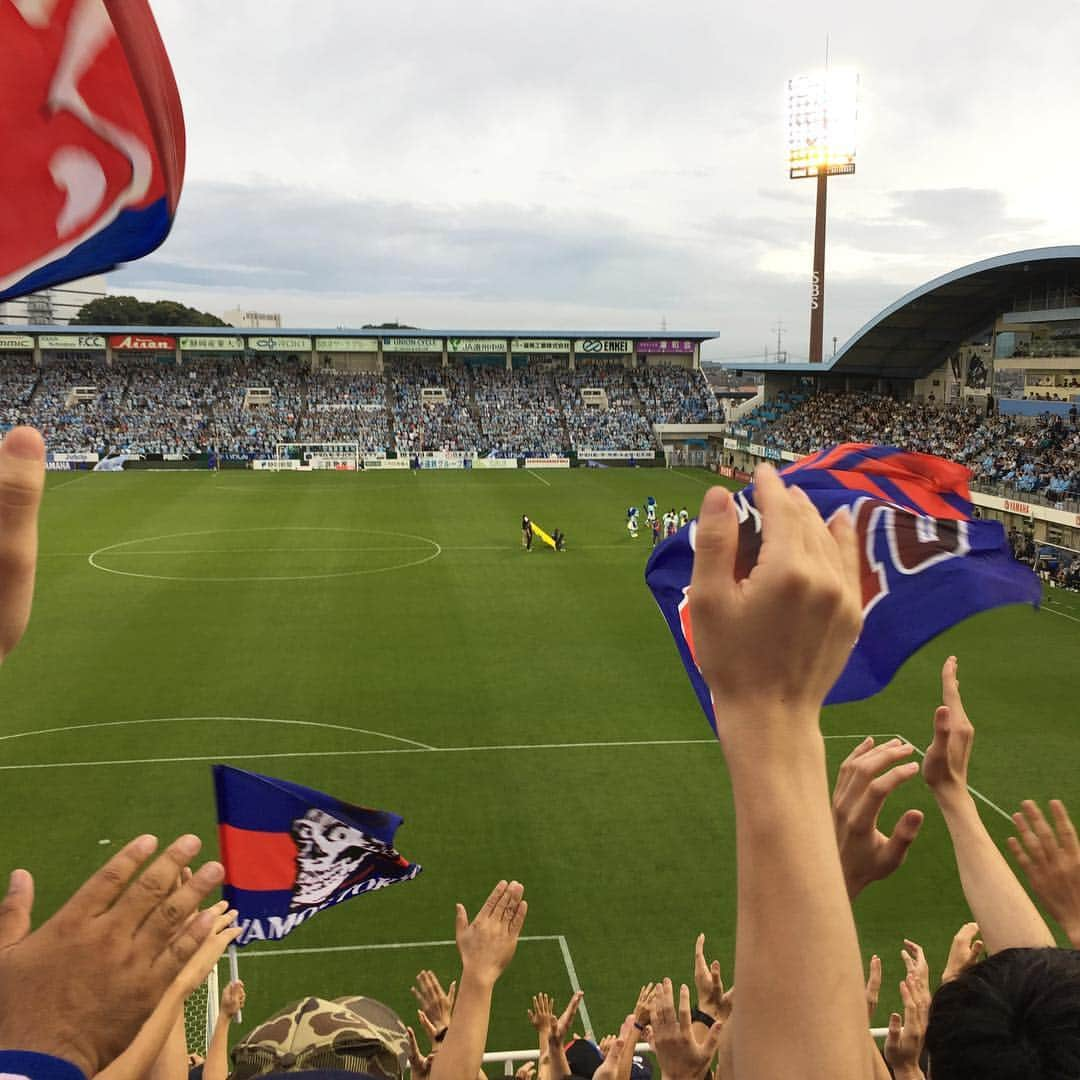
{"type": "Point", "coordinates": [208, 343]}
{"type": "Point", "coordinates": [412, 344]}
{"type": "Point", "coordinates": [476, 345]}
{"type": "Point", "coordinates": [71, 341]}
{"type": "Point", "coordinates": [277, 344]}
{"type": "Point", "coordinates": [604, 347]}
{"type": "Point", "coordinates": [16, 341]}
{"type": "Point", "coordinates": [346, 344]}
{"type": "Point", "coordinates": [540, 345]}
{"type": "Point", "coordinates": [666, 347]}
{"type": "Point", "coordinates": [142, 343]}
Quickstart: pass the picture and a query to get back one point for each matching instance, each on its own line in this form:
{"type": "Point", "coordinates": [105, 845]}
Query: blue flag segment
{"type": "Point", "coordinates": [926, 562]}
{"type": "Point", "coordinates": [290, 851]}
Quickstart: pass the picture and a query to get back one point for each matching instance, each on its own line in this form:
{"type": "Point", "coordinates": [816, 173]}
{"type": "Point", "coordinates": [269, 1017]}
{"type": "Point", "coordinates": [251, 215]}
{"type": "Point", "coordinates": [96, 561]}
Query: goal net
{"type": "Point", "coordinates": [200, 1015]}
{"type": "Point", "coordinates": [343, 456]}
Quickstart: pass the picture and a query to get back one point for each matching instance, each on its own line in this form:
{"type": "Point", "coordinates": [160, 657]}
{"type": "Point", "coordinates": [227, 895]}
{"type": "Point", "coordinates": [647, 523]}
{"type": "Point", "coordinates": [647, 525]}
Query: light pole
{"type": "Point", "coordinates": [822, 110]}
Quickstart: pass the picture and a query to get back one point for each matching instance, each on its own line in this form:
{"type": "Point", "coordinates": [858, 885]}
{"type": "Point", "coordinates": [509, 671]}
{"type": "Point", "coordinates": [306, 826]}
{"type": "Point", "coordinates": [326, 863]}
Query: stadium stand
{"type": "Point", "coordinates": [141, 406]}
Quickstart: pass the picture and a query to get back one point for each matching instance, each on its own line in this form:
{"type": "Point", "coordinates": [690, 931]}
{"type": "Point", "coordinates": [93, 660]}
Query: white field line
{"type": "Point", "coordinates": [273, 952]}
{"type": "Point", "coordinates": [67, 483]}
{"type": "Point", "coordinates": [1062, 614]}
{"type": "Point", "coordinates": [977, 794]}
{"type": "Point", "coordinates": [301, 551]}
{"type": "Point", "coordinates": [697, 479]}
{"type": "Point", "coordinates": [364, 753]}
{"type": "Point", "coordinates": [575, 986]}
{"type": "Point", "coordinates": [185, 719]}
{"type": "Point", "coordinates": [536, 476]}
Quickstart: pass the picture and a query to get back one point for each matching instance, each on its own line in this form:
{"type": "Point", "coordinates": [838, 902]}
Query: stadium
{"type": "Point", "coordinates": [325, 556]}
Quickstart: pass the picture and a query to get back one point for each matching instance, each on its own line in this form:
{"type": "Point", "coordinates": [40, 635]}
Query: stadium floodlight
{"type": "Point", "coordinates": [822, 110]}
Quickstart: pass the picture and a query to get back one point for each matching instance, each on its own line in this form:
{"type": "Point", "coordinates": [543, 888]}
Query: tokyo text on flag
{"type": "Point", "coordinates": [92, 159]}
{"type": "Point", "coordinates": [290, 851]}
{"type": "Point", "coordinates": [925, 562]}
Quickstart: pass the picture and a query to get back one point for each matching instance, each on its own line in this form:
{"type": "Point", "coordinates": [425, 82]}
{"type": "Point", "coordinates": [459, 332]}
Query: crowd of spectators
{"type": "Point", "coordinates": [347, 407]}
{"type": "Point", "coordinates": [1039, 455]}
{"type": "Point", "coordinates": [140, 406]}
{"type": "Point", "coordinates": [519, 412]}
{"type": "Point", "coordinates": [98, 989]}
{"type": "Point", "coordinates": [621, 426]}
{"type": "Point", "coordinates": [673, 395]}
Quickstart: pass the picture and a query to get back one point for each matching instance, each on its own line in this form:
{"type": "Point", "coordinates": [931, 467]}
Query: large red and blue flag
{"type": "Point", "coordinates": [92, 159]}
{"type": "Point", "coordinates": [925, 562]}
{"type": "Point", "coordinates": [290, 851]}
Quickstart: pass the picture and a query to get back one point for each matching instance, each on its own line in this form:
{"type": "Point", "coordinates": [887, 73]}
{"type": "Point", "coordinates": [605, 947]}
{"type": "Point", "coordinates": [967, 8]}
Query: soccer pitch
{"type": "Point", "coordinates": [384, 637]}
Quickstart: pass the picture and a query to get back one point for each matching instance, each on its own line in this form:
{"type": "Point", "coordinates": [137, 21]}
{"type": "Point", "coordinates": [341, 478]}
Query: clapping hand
{"type": "Point", "coordinates": [965, 950]}
{"type": "Point", "coordinates": [81, 985]}
{"type": "Point", "coordinates": [487, 944]}
{"type": "Point", "coordinates": [868, 776]}
{"type": "Point", "coordinates": [711, 998]}
{"type": "Point", "coordinates": [232, 999]}
{"type": "Point", "coordinates": [436, 1004]}
{"type": "Point", "coordinates": [680, 1055]}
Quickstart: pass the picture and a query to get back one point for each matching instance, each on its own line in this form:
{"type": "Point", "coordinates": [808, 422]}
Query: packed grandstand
{"type": "Point", "coordinates": [146, 407]}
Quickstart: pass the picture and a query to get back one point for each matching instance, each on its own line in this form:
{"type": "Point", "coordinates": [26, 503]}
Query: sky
{"type": "Point", "coordinates": [602, 164]}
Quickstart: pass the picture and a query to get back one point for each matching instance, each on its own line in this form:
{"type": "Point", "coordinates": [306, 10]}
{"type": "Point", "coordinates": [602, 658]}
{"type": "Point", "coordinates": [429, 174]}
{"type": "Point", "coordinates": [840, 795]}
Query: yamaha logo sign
{"type": "Point", "coordinates": [605, 347]}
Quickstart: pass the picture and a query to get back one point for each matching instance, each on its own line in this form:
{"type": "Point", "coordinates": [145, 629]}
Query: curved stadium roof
{"type": "Point", "coordinates": [914, 335]}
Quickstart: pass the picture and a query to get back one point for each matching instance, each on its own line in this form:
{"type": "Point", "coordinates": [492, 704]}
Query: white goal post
{"type": "Point", "coordinates": [342, 456]}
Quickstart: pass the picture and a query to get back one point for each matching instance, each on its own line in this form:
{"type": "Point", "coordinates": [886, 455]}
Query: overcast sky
{"type": "Point", "coordinates": [602, 163]}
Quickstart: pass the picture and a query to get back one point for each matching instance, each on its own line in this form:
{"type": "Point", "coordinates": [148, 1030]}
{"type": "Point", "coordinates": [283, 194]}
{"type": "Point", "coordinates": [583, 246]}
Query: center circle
{"type": "Point", "coordinates": [416, 550]}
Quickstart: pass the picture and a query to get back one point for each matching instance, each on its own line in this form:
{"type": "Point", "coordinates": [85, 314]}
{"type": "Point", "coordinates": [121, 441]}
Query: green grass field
{"type": "Point", "coordinates": [384, 637]}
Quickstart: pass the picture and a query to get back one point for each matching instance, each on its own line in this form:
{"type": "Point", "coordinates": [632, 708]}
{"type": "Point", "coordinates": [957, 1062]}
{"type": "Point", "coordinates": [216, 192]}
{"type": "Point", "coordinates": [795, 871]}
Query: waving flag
{"type": "Point", "coordinates": [925, 562]}
{"type": "Point", "coordinates": [291, 852]}
{"type": "Point", "coordinates": [92, 159]}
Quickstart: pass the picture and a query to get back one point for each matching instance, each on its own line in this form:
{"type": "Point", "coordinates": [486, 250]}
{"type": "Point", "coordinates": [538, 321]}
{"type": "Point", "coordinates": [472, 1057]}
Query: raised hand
{"type": "Point", "coordinates": [435, 1003]}
{"type": "Point", "coordinates": [680, 1055]}
{"type": "Point", "coordinates": [945, 765]}
{"type": "Point", "coordinates": [542, 1015]}
{"type": "Point", "coordinates": [487, 944]}
{"type": "Point", "coordinates": [643, 1005]}
{"type": "Point", "coordinates": [868, 776]}
{"type": "Point", "coordinates": [711, 998]}
{"type": "Point", "coordinates": [223, 932]}
{"type": "Point", "coordinates": [904, 1042]}
{"type": "Point", "coordinates": [526, 1072]}
{"type": "Point", "coordinates": [965, 950]}
{"type": "Point", "coordinates": [22, 480]}
{"type": "Point", "coordinates": [918, 970]}
{"type": "Point", "coordinates": [81, 986]}
{"type": "Point", "coordinates": [566, 1017]}
{"type": "Point", "coordinates": [873, 986]}
{"type": "Point", "coordinates": [1050, 857]}
{"type": "Point", "coordinates": [419, 1063]}
{"type": "Point", "coordinates": [233, 998]}
{"type": "Point", "coordinates": [798, 612]}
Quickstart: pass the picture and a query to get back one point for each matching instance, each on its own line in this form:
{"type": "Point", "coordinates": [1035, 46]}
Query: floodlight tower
{"type": "Point", "coordinates": [821, 143]}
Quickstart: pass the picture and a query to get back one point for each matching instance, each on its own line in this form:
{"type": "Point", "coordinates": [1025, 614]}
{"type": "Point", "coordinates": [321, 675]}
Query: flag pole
{"type": "Point", "coordinates": [234, 976]}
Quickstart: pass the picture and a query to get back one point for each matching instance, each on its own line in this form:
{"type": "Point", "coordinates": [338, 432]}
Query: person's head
{"type": "Point", "coordinates": [1016, 1016]}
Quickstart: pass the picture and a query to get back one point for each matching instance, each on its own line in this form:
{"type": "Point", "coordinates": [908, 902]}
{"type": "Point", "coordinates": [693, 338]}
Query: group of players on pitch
{"type": "Point", "coordinates": [669, 525]}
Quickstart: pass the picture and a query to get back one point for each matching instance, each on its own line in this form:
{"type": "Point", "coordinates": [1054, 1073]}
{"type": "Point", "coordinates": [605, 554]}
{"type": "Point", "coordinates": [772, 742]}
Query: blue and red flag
{"type": "Point", "coordinates": [925, 562]}
{"type": "Point", "coordinates": [92, 159]}
{"type": "Point", "coordinates": [290, 851]}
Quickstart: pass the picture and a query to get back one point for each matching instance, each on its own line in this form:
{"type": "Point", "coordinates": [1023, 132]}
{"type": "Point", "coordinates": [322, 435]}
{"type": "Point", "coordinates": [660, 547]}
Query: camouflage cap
{"type": "Point", "coordinates": [353, 1034]}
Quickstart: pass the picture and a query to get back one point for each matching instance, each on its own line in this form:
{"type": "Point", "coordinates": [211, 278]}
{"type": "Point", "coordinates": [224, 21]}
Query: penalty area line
{"type": "Point", "coordinates": [275, 952]}
{"type": "Point", "coordinates": [537, 476]}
